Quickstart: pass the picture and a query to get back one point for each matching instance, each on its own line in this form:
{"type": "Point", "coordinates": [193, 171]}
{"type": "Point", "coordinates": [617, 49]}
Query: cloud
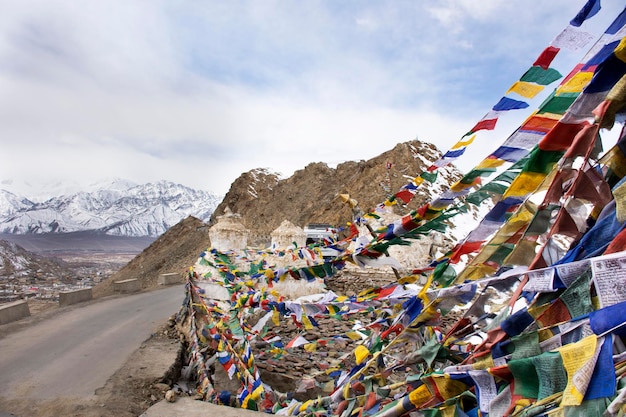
{"type": "Point", "coordinates": [203, 91]}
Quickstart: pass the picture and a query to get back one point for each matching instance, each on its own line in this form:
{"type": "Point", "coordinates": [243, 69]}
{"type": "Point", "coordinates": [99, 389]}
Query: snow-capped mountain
{"type": "Point", "coordinates": [113, 207]}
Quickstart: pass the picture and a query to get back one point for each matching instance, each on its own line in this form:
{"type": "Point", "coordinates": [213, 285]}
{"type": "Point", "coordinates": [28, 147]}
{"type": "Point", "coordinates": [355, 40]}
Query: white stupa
{"type": "Point", "coordinates": [228, 233]}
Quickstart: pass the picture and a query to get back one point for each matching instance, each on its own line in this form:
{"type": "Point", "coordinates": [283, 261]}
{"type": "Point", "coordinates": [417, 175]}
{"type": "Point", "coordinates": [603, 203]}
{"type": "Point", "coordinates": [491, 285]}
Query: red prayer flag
{"type": "Point", "coordinates": [405, 195]}
{"type": "Point", "coordinates": [556, 313]}
{"type": "Point", "coordinates": [539, 124]}
{"type": "Point", "coordinates": [618, 243]}
{"type": "Point", "coordinates": [485, 124]}
{"type": "Point", "coordinates": [463, 249]}
{"type": "Point", "coordinates": [583, 141]}
{"type": "Point", "coordinates": [561, 136]}
{"type": "Point", "coordinates": [545, 58]}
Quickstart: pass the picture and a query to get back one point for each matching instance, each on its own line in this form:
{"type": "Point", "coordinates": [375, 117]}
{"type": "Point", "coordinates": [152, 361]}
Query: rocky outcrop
{"type": "Point", "coordinates": [312, 194]}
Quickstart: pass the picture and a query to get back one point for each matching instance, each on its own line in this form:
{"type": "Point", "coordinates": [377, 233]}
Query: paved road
{"type": "Point", "coordinates": [74, 353]}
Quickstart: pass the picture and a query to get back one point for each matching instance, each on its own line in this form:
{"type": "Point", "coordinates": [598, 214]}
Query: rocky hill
{"type": "Point", "coordinates": [173, 252]}
{"type": "Point", "coordinates": [16, 262]}
{"type": "Point", "coordinates": [311, 195]}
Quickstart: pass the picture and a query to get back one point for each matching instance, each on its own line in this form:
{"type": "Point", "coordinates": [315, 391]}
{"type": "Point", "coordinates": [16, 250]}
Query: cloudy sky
{"type": "Point", "coordinates": [198, 92]}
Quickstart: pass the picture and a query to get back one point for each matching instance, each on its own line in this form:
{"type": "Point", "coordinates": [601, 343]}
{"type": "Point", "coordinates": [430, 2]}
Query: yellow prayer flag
{"type": "Point", "coordinates": [310, 347]}
{"type": "Point", "coordinates": [463, 143]}
{"type": "Point", "coordinates": [619, 195]}
{"type": "Point", "coordinates": [524, 184]}
{"type": "Point", "coordinates": [576, 84]}
{"type": "Point", "coordinates": [536, 311]}
{"type": "Point", "coordinates": [459, 186]}
{"type": "Point", "coordinates": [346, 389]}
{"type": "Point", "coordinates": [329, 386]}
{"type": "Point", "coordinates": [307, 323]}
{"type": "Point", "coordinates": [525, 89]}
{"type": "Point", "coordinates": [490, 163]}
{"type": "Point", "coordinates": [523, 216]}
{"type": "Point", "coordinates": [306, 405]}
{"type": "Point", "coordinates": [361, 353]}
{"type": "Point", "coordinates": [579, 362]}
{"type": "Point", "coordinates": [484, 362]}
{"type": "Point", "coordinates": [523, 253]}
{"type": "Point", "coordinates": [276, 318]}
{"type": "Point", "coordinates": [354, 335]}
{"type": "Point", "coordinates": [420, 395]}
{"type": "Point", "coordinates": [620, 51]}
{"type": "Point", "coordinates": [485, 253]}
{"type": "Point", "coordinates": [474, 272]}
{"type": "Point", "coordinates": [408, 279]}
{"type": "Point", "coordinates": [447, 386]}
{"type": "Point", "coordinates": [256, 394]}
{"type": "Point", "coordinates": [615, 160]}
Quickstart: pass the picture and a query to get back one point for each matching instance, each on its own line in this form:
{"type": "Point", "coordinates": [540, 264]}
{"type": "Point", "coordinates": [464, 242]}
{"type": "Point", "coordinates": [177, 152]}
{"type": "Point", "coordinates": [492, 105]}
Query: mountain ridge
{"type": "Point", "coordinates": [140, 210]}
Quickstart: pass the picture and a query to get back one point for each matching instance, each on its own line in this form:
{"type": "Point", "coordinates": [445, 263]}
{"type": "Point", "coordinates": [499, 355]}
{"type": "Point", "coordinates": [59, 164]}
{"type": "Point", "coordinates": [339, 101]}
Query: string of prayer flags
{"type": "Point", "coordinates": [540, 162]}
{"type": "Point", "coordinates": [523, 316]}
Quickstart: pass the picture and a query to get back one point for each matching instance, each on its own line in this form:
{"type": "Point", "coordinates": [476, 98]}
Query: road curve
{"type": "Point", "coordinates": [73, 353]}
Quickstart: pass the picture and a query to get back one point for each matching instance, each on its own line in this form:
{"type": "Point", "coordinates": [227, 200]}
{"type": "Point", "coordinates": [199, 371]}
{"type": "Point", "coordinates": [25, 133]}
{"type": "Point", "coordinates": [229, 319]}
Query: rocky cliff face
{"type": "Point", "coordinates": [311, 195]}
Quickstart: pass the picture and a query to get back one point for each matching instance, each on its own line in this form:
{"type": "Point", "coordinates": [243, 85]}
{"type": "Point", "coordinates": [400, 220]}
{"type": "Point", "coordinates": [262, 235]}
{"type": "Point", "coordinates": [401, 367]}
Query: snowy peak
{"type": "Point", "coordinates": [115, 207]}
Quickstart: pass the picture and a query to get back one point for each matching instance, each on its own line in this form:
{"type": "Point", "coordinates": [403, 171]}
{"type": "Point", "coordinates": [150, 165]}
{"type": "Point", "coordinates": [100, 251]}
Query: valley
{"type": "Point", "coordinates": [69, 244]}
{"type": "Point", "coordinates": [59, 262]}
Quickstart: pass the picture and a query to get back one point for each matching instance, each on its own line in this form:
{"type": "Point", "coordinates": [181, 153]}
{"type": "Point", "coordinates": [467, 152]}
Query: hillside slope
{"type": "Point", "coordinates": [17, 262]}
{"type": "Point", "coordinates": [173, 252]}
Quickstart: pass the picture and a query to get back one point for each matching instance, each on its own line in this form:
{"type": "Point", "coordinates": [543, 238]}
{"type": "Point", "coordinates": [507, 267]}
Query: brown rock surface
{"type": "Point", "coordinates": [311, 195]}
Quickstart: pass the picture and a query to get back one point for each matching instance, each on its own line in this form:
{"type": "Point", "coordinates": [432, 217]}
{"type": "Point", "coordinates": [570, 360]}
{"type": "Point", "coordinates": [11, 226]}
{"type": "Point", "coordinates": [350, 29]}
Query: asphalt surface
{"type": "Point", "coordinates": [76, 351]}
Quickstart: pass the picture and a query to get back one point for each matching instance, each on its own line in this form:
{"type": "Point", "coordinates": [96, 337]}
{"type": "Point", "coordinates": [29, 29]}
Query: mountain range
{"type": "Point", "coordinates": [262, 198]}
{"type": "Point", "coordinates": [115, 207]}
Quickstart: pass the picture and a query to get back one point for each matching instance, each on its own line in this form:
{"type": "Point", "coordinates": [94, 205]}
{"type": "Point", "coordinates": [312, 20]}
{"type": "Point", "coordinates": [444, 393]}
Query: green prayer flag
{"type": "Point", "coordinates": [501, 253]}
{"type": "Point", "coordinates": [551, 373]}
{"type": "Point", "coordinates": [577, 297]}
{"type": "Point", "coordinates": [478, 197]}
{"type": "Point", "coordinates": [526, 345]}
{"type": "Point", "coordinates": [542, 161]}
{"type": "Point", "coordinates": [541, 76]}
{"type": "Point", "coordinates": [473, 174]}
{"type": "Point", "coordinates": [495, 188]}
{"type": "Point", "coordinates": [557, 105]}
{"type": "Point", "coordinates": [444, 274]}
{"type": "Point", "coordinates": [541, 221]}
{"type": "Point", "coordinates": [429, 351]}
{"type": "Point", "coordinates": [588, 408]}
{"type": "Point", "coordinates": [526, 378]}
{"type": "Point", "coordinates": [429, 176]}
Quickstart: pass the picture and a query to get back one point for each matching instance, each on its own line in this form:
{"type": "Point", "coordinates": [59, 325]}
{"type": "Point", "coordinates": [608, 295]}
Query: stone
{"type": "Point", "coordinates": [170, 396]}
